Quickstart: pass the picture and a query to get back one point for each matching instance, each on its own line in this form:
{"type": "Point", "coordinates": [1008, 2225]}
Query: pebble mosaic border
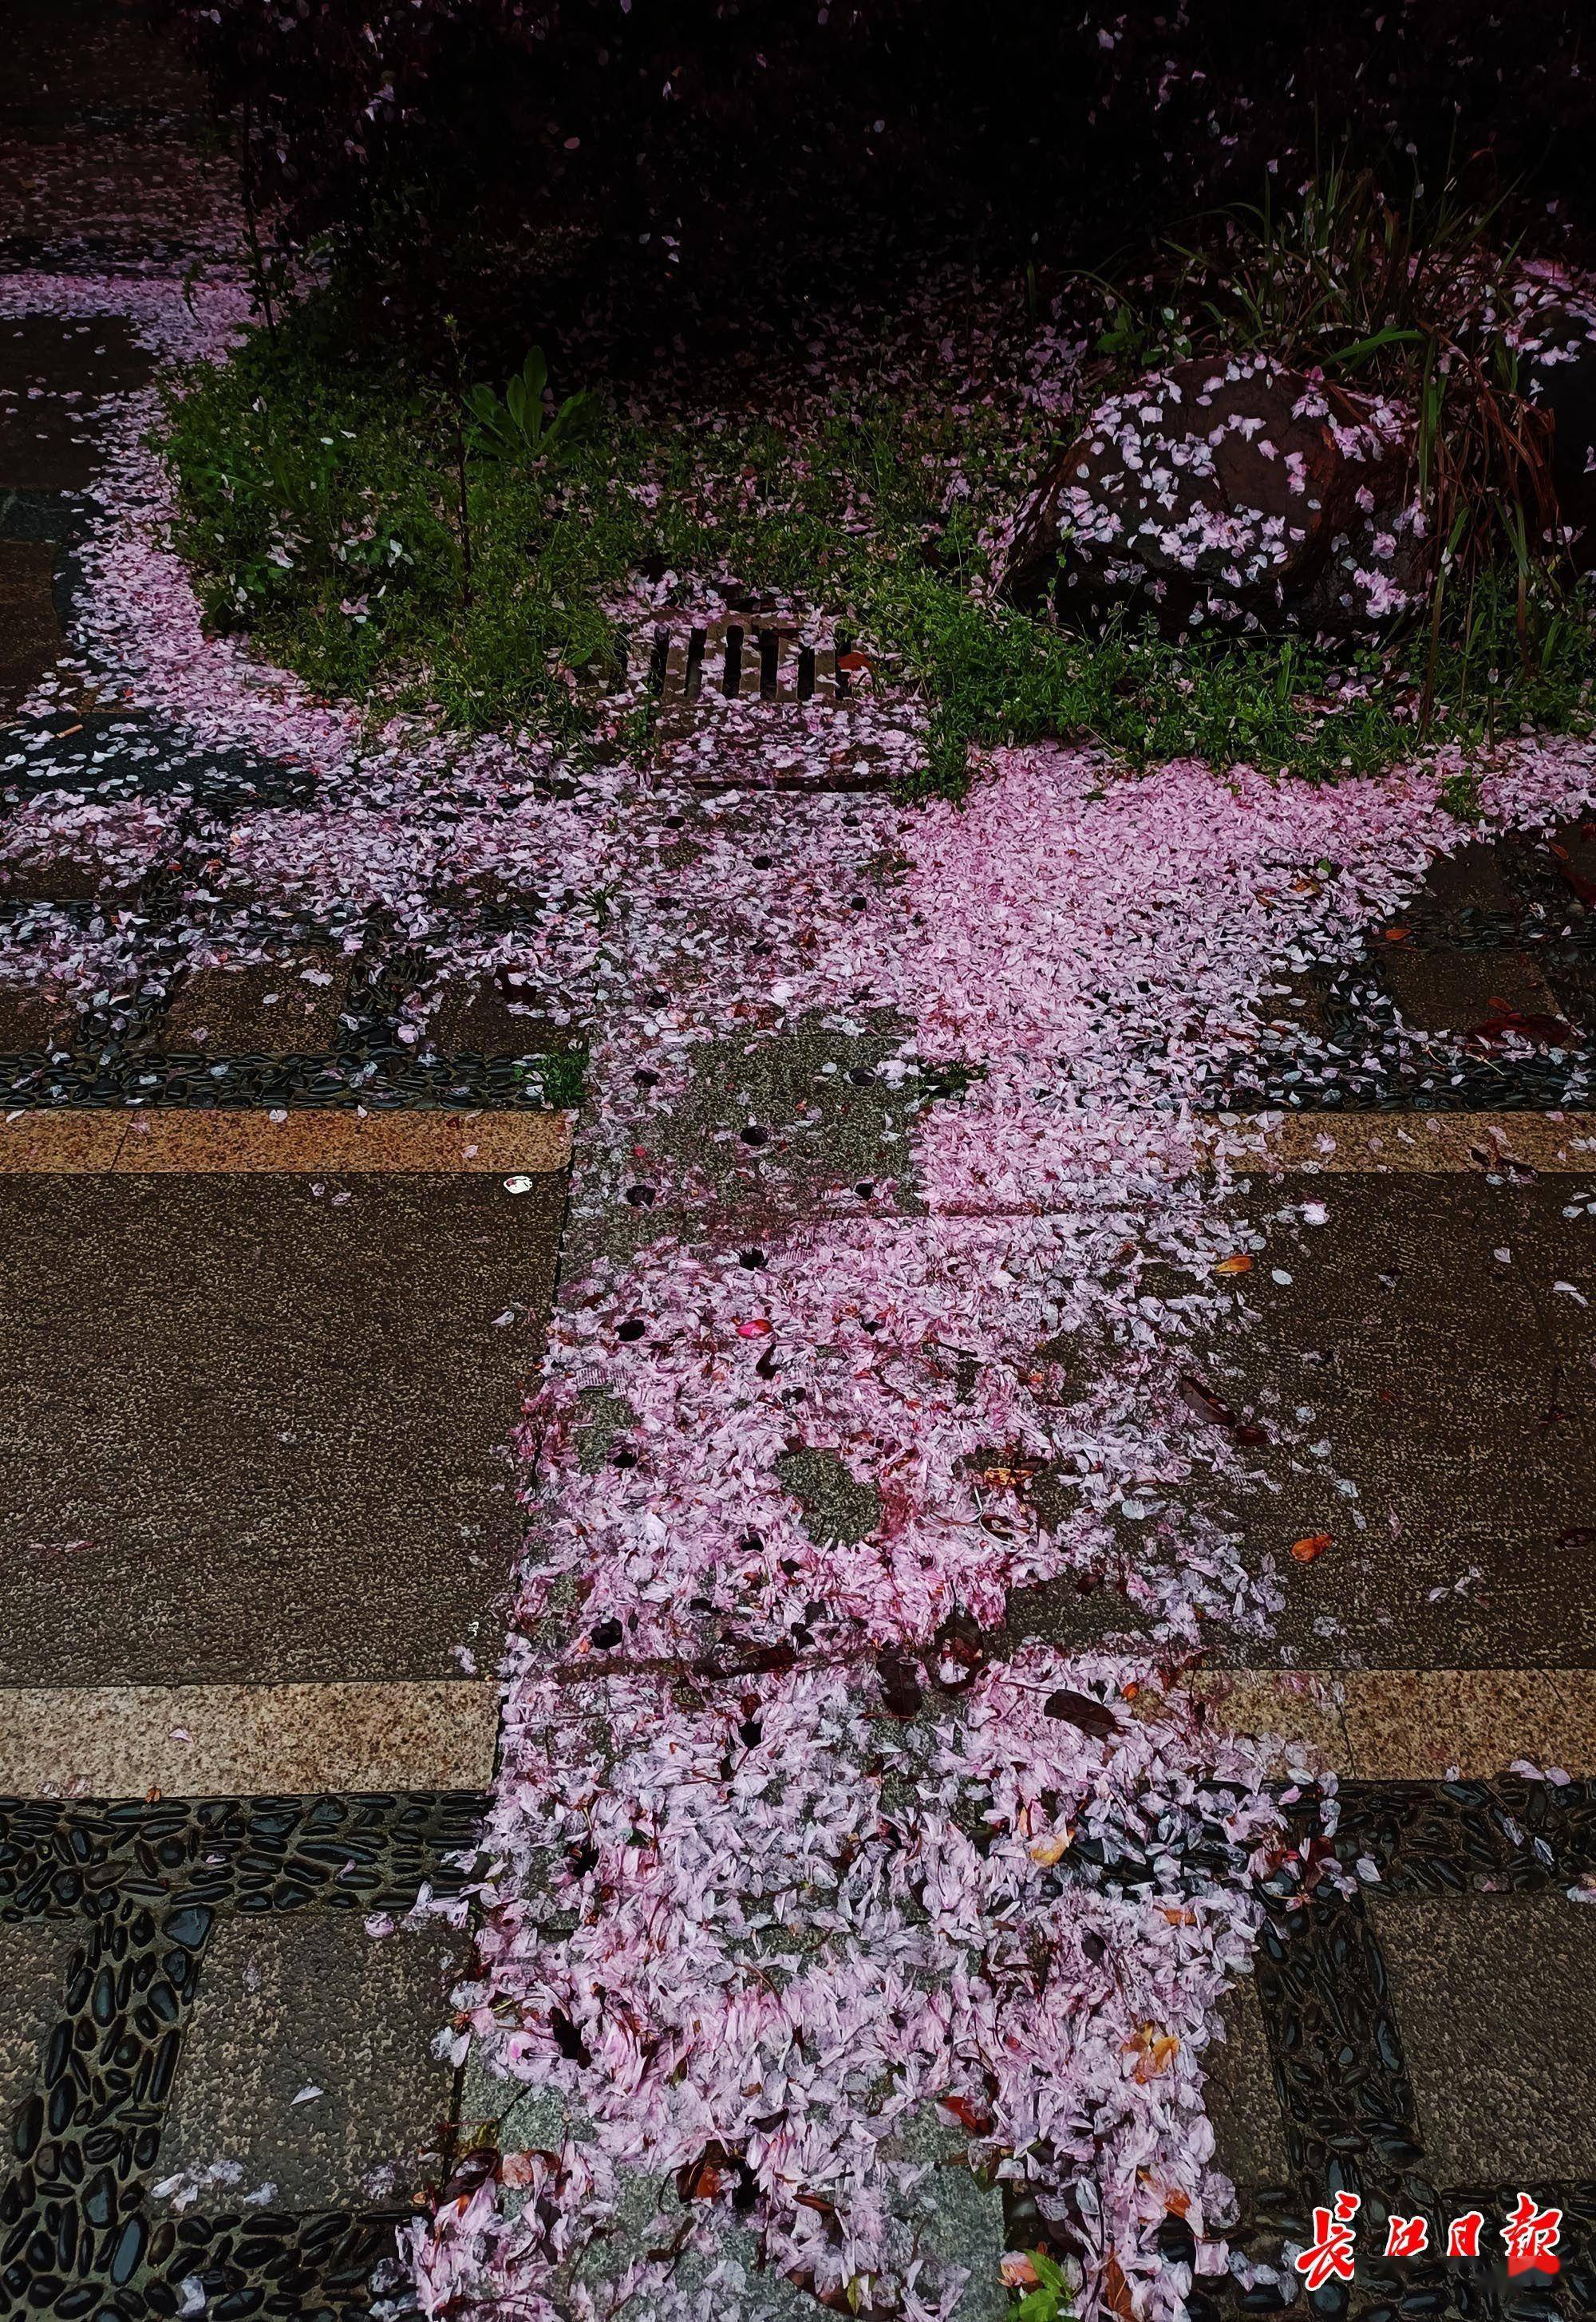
{"type": "Point", "coordinates": [147, 1881]}
{"type": "Point", "coordinates": [1335, 2041]}
{"type": "Point", "coordinates": [119, 1063]}
{"type": "Point", "coordinates": [1354, 1005]}
{"type": "Point", "coordinates": [378, 1077]}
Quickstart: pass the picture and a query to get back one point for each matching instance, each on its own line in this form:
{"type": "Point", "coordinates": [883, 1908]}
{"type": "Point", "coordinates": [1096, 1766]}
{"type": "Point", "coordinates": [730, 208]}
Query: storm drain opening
{"type": "Point", "coordinates": [744, 699]}
{"type": "Point", "coordinates": [745, 660]}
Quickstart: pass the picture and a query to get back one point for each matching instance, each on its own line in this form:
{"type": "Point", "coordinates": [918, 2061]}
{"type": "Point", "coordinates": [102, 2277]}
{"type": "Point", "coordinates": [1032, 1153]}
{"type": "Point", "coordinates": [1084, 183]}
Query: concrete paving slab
{"type": "Point", "coordinates": [1248, 2136]}
{"type": "Point", "coordinates": [34, 1957]}
{"type": "Point", "coordinates": [1456, 1392]}
{"type": "Point", "coordinates": [51, 373]}
{"type": "Point", "coordinates": [1403, 1725]}
{"type": "Point", "coordinates": [1470, 879]}
{"type": "Point", "coordinates": [32, 1019]}
{"type": "Point", "coordinates": [1305, 1709]}
{"type": "Point", "coordinates": [1418, 1725]}
{"type": "Point", "coordinates": [779, 1120]}
{"type": "Point", "coordinates": [66, 1143]}
{"type": "Point", "coordinates": [246, 1741]}
{"type": "Point", "coordinates": [94, 59]}
{"type": "Point", "coordinates": [255, 1432]}
{"type": "Point", "coordinates": [1464, 1144]}
{"type": "Point", "coordinates": [286, 1008]}
{"type": "Point", "coordinates": [1458, 990]}
{"type": "Point", "coordinates": [308, 2059]}
{"type": "Point", "coordinates": [805, 1126]}
{"type": "Point", "coordinates": [59, 878]}
{"type": "Point", "coordinates": [479, 1020]}
{"type": "Point", "coordinates": [1496, 2000]}
{"type": "Point", "coordinates": [284, 1142]}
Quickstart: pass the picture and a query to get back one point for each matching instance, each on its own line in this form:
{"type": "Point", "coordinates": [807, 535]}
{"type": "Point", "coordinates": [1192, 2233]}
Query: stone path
{"type": "Point", "coordinates": [1420, 1371]}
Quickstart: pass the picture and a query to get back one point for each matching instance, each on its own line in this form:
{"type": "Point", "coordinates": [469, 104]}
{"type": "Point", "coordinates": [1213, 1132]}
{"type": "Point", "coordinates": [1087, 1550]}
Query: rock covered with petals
{"type": "Point", "coordinates": [1225, 488]}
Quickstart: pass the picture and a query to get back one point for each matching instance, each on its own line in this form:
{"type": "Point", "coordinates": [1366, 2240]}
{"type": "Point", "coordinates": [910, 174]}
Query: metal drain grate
{"type": "Point", "coordinates": [744, 660]}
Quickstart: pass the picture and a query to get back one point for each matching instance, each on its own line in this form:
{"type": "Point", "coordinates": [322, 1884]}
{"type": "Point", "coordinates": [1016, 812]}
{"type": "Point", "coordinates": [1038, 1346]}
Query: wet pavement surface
{"type": "Point", "coordinates": [226, 1428]}
{"type": "Point", "coordinates": [253, 1432]}
{"type": "Point", "coordinates": [257, 1511]}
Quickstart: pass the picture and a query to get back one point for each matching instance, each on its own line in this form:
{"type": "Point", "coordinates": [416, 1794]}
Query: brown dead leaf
{"type": "Point", "coordinates": [1116, 2290]}
{"type": "Point", "coordinates": [1240, 1263]}
{"type": "Point", "coordinates": [1081, 1711]}
{"type": "Point", "coordinates": [1154, 2050]}
{"type": "Point", "coordinates": [1311, 1544]}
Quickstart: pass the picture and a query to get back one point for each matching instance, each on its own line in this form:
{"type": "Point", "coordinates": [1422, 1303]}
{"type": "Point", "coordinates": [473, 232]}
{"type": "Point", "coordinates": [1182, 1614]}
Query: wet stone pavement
{"type": "Point", "coordinates": [1416, 1390]}
{"type": "Point", "coordinates": [257, 1520]}
{"type": "Point", "coordinates": [257, 1517]}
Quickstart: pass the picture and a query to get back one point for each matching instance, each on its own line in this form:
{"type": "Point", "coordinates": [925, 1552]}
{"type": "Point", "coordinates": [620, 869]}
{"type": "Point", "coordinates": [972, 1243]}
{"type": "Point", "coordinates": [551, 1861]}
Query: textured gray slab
{"type": "Point", "coordinates": [1249, 2137]}
{"type": "Point", "coordinates": [1458, 990]}
{"type": "Point", "coordinates": [1456, 1392]}
{"type": "Point", "coordinates": [31, 1018]}
{"type": "Point", "coordinates": [1496, 2001]}
{"type": "Point", "coordinates": [309, 2001]}
{"type": "Point", "coordinates": [30, 627]}
{"type": "Point", "coordinates": [253, 1432]}
{"type": "Point", "coordinates": [271, 1010]}
{"type": "Point", "coordinates": [33, 1956]}
{"type": "Point", "coordinates": [479, 1020]}
{"type": "Point", "coordinates": [46, 443]}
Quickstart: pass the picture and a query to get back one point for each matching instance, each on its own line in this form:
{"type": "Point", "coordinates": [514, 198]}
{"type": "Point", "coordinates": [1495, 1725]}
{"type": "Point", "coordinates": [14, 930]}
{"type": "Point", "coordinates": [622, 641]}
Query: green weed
{"type": "Point", "coordinates": [1050, 2300]}
{"type": "Point", "coordinates": [328, 503]}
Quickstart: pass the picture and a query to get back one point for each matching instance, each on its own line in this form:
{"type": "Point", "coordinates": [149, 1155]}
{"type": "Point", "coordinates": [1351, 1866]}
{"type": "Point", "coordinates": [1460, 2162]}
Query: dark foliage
{"type": "Point", "coordinates": [696, 143]}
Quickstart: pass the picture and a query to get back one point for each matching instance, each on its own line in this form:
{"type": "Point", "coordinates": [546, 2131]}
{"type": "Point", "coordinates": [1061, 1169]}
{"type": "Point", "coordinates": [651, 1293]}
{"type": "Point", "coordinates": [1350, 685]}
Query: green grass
{"type": "Point", "coordinates": [318, 497]}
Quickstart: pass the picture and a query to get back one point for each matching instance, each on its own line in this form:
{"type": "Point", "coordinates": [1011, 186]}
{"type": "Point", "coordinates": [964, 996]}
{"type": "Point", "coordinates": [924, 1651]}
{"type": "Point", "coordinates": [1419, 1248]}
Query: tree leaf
{"type": "Point", "coordinates": [1078, 1709]}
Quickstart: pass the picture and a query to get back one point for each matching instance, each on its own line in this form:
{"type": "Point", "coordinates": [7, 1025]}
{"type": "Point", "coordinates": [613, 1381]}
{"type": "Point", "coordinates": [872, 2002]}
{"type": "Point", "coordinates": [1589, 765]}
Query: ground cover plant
{"type": "Point", "coordinates": [407, 542]}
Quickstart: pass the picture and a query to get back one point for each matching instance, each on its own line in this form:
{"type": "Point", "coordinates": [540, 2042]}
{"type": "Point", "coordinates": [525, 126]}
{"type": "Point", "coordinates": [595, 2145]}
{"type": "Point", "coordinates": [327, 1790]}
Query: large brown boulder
{"type": "Point", "coordinates": [1227, 488]}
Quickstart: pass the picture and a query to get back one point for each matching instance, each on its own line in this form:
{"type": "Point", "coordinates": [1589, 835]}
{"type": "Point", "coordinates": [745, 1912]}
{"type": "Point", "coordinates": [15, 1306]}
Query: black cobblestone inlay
{"type": "Point", "coordinates": [147, 1882]}
{"type": "Point", "coordinates": [380, 1080]}
{"type": "Point", "coordinates": [1346, 2101]}
{"type": "Point", "coordinates": [121, 754]}
{"type": "Point", "coordinates": [1537, 914]}
{"type": "Point", "coordinates": [370, 1851]}
{"type": "Point", "coordinates": [326, 2264]}
{"type": "Point", "coordinates": [116, 1056]}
